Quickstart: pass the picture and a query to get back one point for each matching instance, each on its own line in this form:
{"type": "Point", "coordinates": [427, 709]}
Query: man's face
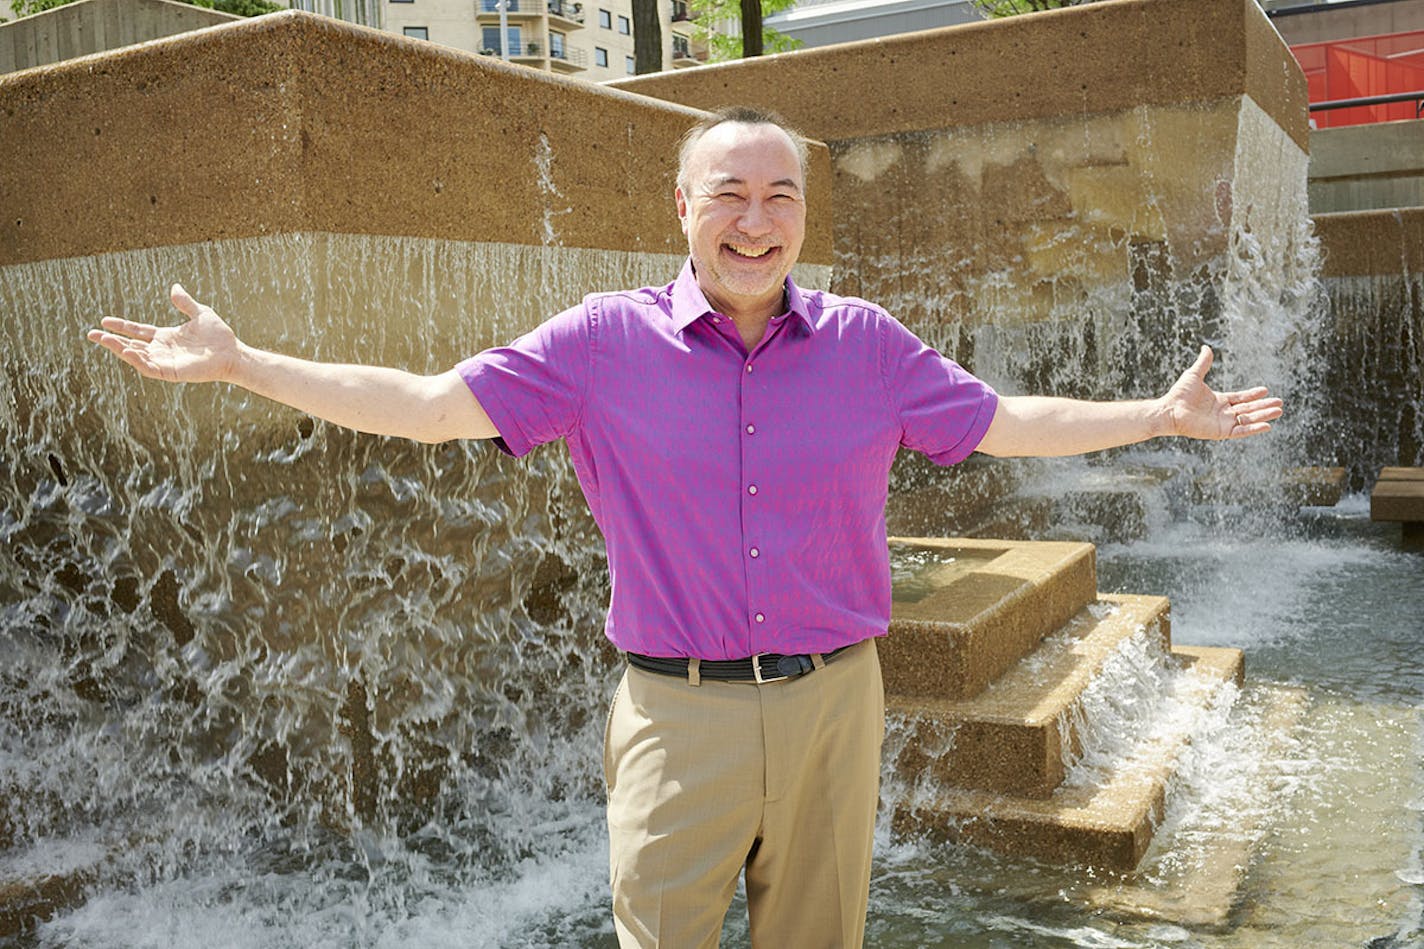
{"type": "Point", "coordinates": [744, 214]}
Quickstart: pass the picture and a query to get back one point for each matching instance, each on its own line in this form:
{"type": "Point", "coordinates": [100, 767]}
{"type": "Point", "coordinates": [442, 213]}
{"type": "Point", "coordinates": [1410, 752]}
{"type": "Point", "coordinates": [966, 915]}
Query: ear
{"type": "Point", "coordinates": [681, 200]}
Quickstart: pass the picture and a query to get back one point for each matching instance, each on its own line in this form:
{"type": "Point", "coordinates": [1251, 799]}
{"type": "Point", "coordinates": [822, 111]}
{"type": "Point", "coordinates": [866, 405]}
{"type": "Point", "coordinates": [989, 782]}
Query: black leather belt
{"type": "Point", "coordinates": [764, 667]}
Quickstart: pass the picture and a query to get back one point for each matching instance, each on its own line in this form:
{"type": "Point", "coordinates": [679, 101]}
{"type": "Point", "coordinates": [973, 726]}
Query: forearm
{"type": "Point", "coordinates": [1044, 426]}
{"type": "Point", "coordinates": [372, 399]}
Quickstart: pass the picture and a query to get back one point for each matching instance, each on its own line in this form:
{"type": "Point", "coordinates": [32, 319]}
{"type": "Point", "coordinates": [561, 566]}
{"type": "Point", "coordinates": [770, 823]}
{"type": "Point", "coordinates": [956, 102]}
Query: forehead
{"type": "Point", "coordinates": [745, 152]}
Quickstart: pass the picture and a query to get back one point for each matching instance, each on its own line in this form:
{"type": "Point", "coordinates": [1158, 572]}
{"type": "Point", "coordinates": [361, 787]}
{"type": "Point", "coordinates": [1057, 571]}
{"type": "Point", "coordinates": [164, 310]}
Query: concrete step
{"type": "Point", "coordinates": [1201, 893]}
{"type": "Point", "coordinates": [1010, 737]}
{"type": "Point", "coordinates": [964, 611]}
{"type": "Point", "coordinates": [1398, 497]}
{"type": "Point", "coordinates": [1108, 825]}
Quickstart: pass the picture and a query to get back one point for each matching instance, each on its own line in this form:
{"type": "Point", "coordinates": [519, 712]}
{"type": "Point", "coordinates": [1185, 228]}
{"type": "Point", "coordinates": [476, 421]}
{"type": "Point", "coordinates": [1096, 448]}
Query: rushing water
{"type": "Point", "coordinates": [1315, 764]}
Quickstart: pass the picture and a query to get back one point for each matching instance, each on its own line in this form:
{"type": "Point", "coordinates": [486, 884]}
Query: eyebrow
{"type": "Point", "coordinates": [723, 180]}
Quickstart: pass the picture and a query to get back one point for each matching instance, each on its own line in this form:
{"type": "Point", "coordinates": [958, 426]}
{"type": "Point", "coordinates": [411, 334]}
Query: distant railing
{"type": "Point", "coordinates": [574, 57]}
{"type": "Point", "coordinates": [492, 6]}
{"type": "Point", "coordinates": [1416, 97]}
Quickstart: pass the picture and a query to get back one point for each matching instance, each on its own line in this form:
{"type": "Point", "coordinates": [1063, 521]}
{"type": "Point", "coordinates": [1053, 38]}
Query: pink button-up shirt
{"type": "Point", "coordinates": [741, 495]}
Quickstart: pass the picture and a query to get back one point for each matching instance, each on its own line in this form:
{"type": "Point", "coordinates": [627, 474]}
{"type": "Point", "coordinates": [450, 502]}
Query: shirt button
{"type": "Point", "coordinates": [754, 552]}
{"type": "Point", "coordinates": [751, 429]}
{"type": "Point", "coordinates": [751, 489]}
{"type": "Point", "coordinates": [761, 617]}
{"type": "Point", "coordinates": [749, 367]}
{"type": "Point", "coordinates": [716, 319]}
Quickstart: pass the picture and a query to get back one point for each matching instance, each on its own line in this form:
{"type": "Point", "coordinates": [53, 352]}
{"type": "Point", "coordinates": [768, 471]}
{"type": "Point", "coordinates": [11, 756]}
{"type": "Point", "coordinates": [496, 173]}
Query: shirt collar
{"type": "Point", "coordinates": [689, 305]}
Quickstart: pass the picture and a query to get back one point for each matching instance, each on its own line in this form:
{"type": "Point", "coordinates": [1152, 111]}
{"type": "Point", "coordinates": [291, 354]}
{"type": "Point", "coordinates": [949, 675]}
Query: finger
{"type": "Point", "coordinates": [1246, 431]}
{"type": "Point", "coordinates": [185, 304]}
{"type": "Point", "coordinates": [1260, 405]}
{"type": "Point", "coordinates": [1203, 364]}
{"type": "Point", "coordinates": [132, 352]}
{"type": "Point", "coordinates": [143, 331]}
{"type": "Point", "coordinates": [1263, 415]}
{"type": "Point", "coordinates": [1245, 395]}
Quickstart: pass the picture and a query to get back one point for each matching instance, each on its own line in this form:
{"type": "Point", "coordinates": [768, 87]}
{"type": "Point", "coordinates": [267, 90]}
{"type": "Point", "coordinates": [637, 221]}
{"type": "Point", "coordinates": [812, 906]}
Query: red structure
{"type": "Point", "coordinates": [1367, 66]}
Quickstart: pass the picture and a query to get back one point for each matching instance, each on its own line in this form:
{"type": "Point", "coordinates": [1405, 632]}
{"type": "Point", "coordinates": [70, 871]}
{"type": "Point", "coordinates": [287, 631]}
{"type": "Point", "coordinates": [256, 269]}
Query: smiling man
{"type": "Point", "coordinates": [733, 435]}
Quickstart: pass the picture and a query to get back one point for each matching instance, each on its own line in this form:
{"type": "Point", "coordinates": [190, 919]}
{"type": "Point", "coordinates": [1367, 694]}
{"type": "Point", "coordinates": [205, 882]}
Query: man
{"type": "Point", "coordinates": [733, 435]}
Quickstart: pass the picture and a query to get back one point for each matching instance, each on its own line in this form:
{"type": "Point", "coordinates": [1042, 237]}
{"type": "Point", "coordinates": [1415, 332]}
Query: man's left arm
{"type": "Point", "coordinates": [1042, 426]}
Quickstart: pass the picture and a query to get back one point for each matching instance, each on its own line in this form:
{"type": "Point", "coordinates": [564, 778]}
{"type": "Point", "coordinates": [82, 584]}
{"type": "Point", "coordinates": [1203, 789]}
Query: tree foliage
{"type": "Point", "coordinates": [237, 7]}
{"type": "Point", "coordinates": [994, 9]}
{"type": "Point", "coordinates": [711, 17]}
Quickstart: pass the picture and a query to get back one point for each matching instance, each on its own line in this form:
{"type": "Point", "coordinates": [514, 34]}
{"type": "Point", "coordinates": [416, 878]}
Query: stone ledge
{"type": "Point", "coordinates": [1010, 737]}
{"type": "Point", "coordinates": [1108, 827]}
{"type": "Point", "coordinates": [1102, 57]}
{"type": "Point", "coordinates": [1388, 242]}
{"type": "Point", "coordinates": [261, 127]}
{"type": "Point", "coordinates": [981, 618]}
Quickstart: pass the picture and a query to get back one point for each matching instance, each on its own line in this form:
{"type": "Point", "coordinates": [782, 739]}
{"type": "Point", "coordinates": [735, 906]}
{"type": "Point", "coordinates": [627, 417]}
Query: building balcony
{"type": "Point", "coordinates": [566, 15]}
{"type": "Point", "coordinates": [515, 11]}
{"type": "Point", "coordinates": [568, 60]}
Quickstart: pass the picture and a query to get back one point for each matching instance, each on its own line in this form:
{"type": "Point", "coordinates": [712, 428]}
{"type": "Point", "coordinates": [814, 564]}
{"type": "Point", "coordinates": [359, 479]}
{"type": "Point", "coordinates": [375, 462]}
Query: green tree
{"type": "Point", "coordinates": [238, 7]}
{"type": "Point", "coordinates": [995, 9]}
{"type": "Point", "coordinates": [709, 15]}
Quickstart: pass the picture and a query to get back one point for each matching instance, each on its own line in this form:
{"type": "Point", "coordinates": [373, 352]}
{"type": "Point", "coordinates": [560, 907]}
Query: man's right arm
{"type": "Point", "coordinates": [369, 399]}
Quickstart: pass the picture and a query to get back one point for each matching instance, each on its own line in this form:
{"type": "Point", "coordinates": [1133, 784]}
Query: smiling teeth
{"type": "Point", "coordinates": [750, 251]}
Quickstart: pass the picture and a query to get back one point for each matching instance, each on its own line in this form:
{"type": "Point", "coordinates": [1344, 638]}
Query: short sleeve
{"type": "Point", "coordinates": [534, 389]}
{"type": "Point", "coordinates": [944, 410]}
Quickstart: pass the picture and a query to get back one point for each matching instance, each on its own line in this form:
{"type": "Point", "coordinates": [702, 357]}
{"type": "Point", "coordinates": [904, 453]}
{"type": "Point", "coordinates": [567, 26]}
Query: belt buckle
{"type": "Point", "coordinates": [756, 670]}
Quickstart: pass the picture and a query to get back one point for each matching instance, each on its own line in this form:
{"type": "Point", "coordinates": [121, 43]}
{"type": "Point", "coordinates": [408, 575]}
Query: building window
{"type": "Point", "coordinates": [680, 12]}
{"type": "Point", "coordinates": [600, 56]}
{"type": "Point", "coordinates": [680, 49]}
{"type": "Point", "coordinates": [402, 1]}
{"type": "Point", "coordinates": [489, 40]}
{"type": "Point", "coordinates": [556, 45]}
{"type": "Point", "coordinates": [417, 32]}
{"type": "Point", "coordinates": [605, 19]}
{"type": "Point", "coordinates": [624, 26]}
{"type": "Point", "coordinates": [631, 65]}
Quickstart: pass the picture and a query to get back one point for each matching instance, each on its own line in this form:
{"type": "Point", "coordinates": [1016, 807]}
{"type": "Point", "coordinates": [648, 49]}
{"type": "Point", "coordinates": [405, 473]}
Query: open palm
{"type": "Point", "coordinates": [201, 349]}
{"type": "Point", "coordinates": [1198, 412]}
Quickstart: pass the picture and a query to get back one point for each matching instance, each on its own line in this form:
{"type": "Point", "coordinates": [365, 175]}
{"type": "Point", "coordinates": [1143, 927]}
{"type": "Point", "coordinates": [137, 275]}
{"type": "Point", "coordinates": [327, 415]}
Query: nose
{"type": "Point", "coordinates": [755, 220]}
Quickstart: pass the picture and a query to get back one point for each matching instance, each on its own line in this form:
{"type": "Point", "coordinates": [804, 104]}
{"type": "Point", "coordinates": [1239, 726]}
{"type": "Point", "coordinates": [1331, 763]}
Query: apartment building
{"type": "Point", "coordinates": [588, 39]}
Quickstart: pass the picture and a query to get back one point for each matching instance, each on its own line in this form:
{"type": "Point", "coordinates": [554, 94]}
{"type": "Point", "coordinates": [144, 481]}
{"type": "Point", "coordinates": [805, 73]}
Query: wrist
{"type": "Point", "coordinates": [241, 369]}
{"type": "Point", "coordinates": [1159, 419]}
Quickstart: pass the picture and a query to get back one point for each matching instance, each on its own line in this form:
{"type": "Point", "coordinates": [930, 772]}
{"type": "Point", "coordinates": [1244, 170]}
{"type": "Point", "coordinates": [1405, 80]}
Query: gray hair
{"type": "Point", "coordinates": [747, 115]}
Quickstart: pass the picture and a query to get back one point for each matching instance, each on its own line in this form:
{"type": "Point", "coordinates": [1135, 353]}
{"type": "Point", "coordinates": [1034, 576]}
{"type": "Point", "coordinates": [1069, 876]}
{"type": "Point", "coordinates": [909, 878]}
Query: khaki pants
{"type": "Point", "coordinates": [781, 778]}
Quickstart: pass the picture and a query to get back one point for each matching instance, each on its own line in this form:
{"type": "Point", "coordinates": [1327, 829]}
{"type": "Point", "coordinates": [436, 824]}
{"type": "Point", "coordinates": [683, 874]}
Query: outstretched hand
{"type": "Point", "coordinates": [201, 349]}
{"type": "Point", "coordinates": [1195, 411]}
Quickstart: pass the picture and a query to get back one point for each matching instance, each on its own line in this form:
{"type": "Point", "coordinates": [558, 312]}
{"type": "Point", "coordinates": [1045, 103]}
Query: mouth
{"type": "Point", "coordinates": [748, 251]}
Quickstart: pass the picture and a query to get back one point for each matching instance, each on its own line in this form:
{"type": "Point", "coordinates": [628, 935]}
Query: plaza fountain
{"type": "Point", "coordinates": [268, 683]}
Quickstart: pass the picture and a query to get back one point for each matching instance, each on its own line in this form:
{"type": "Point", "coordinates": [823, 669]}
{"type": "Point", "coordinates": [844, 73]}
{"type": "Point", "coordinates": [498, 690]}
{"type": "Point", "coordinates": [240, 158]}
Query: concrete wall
{"type": "Point", "coordinates": [1373, 355]}
{"type": "Point", "coordinates": [1340, 21]}
{"type": "Point", "coordinates": [92, 26]}
{"type": "Point", "coordinates": [294, 122]}
{"type": "Point", "coordinates": [1364, 167]}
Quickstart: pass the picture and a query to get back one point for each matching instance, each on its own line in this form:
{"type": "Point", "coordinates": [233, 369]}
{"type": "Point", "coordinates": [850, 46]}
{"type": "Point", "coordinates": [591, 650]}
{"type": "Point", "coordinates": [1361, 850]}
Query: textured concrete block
{"type": "Point", "coordinates": [978, 607]}
{"type": "Point", "coordinates": [296, 122]}
{"type": "Point", "coordinates": [1011, 737]}
{"type": "Point", "coordinates": [1107, 826]}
